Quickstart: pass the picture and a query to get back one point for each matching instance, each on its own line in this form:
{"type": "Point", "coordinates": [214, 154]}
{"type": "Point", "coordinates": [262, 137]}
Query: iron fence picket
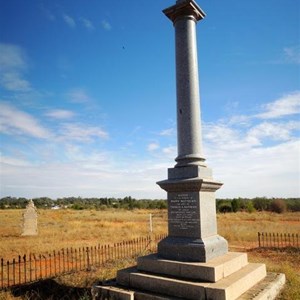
{"type": "Point", "coordinates": [26, 269]}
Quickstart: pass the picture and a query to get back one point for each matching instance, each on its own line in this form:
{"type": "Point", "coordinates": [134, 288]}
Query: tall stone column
{"type": "Point", "coordinates": [184, 17]}
{"type": "Point", "coordinates": [192, 224]}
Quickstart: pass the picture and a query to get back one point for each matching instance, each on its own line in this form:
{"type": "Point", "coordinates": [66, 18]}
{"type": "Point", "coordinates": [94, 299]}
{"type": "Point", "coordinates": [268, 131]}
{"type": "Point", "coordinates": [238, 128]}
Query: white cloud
{"type": "Point", "coordinates": [153, 147]}
{"type": "Point", "coordinates": [14, 121]}
{"type": "Point", "coordinates": [284, 106]}
{"type": "Point", "coordinates": [13, 161]}
{"type": "Point", "coordinates": [260, 159]}
{"type": "Point", "coordinates": [87, 24]}
{"type": "Point", "coordinates": [60, 114]}
{"type": "Point", "coordinates": [264, 171]}
{"type": "Point", "coordinates": [12, 57]}
{"type": "Point", "coordinates": [170, 151]}
{"type": "Point", "coordinates": [69, 21]}
{"type": "Point", "coordinates": [78, 95]}
{"type": "Point", "coordinates": [106, 25]}
{"type": "Point", "coordinates": [12, 66]}
{"type": "Point", "coordinates": [80, 132]}
{"type": "Point", "coordinates": [275, 131]}
{"type": "Point", "coordinates": [167, 132]}
{"type": "Point", "coordinates": [292, 54]}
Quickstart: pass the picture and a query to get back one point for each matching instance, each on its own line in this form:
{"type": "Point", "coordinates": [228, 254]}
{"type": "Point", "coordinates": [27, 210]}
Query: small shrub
{"type": "Point", "coordinates": [250, 208]}
{"type": "Point", "coordinates": [278, 206]}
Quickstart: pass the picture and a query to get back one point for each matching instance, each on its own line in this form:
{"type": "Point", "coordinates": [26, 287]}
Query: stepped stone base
{"type": "Point", "coordinates": [228, 277]}
{"type": "Point", "coordinates": [212, 271]}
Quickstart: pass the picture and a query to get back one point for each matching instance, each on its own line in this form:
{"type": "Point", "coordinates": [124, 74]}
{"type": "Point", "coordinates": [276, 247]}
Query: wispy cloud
{"type": "Point", "coordinates": [153, 146]}
{"type": "Point", "coordinates": [16, 122]}
{"type": "Point", "coordinates": [167, 132]}
{"type": "Point", "coordinates": [81, 132]}
{"type": "Point", "coordinates": [87, 23]}
{"type": "Point", "coordinates": [60, 114]}
{"type": "Point", "coordinates": [263, 155]}
{"type": "Point", "coordinates": [12, 67]}
{"type": "Point", "coordinates": [284, 106]}
{"type": "Point", "coordinates": [69, 21]}
{"type": "Point", "coordinates": [106, 25]}
{"type": "Point", "coordinates": [275, 131]}
{"type": "Point", "coordinates": [170, 151]}
{"type": "Point", "coordinates": [292, 54]}
{"type": "Point", "coordinates": [13, 161]}
{"type": "Point", "coordinates": [78, 95]}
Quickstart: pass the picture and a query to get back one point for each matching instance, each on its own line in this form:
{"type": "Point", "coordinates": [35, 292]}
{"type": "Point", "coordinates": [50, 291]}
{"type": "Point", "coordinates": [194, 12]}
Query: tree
{"type": "Point", "coordinates": [278, 206]}
{"type": "Point", "coordinates": [261, 204]}
{"type": "Point", "coordinates": [236, 205]}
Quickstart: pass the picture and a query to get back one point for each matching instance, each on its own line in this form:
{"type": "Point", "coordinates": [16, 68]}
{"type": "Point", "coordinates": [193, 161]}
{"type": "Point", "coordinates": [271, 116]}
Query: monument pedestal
{"type": "Point", "coordinates": [227, 277]}
{"type": "Point", "coordinates": [192, 222]}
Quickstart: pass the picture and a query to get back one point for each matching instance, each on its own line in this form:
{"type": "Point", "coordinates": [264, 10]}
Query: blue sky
{"type": "Point", "coordinates": [87, 97]}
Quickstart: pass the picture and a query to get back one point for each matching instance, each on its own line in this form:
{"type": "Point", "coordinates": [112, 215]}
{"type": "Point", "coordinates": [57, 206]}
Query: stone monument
{"type": "Point", "coordinates": [29, 227]}
{"type": "Point", "coordinates": [190, 186]}
{"type": "Point", "coordinates": [193, 261]}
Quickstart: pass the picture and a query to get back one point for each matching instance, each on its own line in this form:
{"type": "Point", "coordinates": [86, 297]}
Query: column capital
{"type": "Point", "coordinates": [184, 8]}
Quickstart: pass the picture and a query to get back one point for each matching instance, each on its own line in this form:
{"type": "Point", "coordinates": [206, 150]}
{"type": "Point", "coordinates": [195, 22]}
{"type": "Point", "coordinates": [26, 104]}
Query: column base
{"type": "Point", "coordinates": [192, 250]}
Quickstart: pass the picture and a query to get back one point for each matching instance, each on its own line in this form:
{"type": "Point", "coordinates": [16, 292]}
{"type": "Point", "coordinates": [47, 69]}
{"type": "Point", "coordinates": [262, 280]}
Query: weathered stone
{"type": "Point", "coordinates": [228, 288]}
{"type": "Point", "coordinates": [30, 220]}
{"type": "Point", "coordinates": [266, 289]}
{"type": "Point", "coordinates": [192, 224]}
{"type": "Point", "coordinates": [212, 271]}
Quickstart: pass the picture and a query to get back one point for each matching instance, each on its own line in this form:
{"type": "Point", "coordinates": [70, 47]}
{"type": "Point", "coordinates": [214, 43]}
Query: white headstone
{"type": "Point", "coordinates": [30, 220]}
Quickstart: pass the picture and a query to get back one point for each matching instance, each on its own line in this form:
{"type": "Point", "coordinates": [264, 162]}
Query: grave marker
{"type": "Point", "coordinates": [30, 216]}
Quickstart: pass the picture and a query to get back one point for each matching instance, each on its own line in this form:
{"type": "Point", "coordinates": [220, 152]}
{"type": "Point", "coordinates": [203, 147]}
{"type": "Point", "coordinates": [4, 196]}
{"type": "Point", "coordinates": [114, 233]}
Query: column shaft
{"type": "Point", "coordinates": [188, 99]}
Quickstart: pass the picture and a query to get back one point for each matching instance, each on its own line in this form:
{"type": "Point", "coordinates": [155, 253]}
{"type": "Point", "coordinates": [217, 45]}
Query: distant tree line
{"type": "Point", "coordinates": [80, 203]}
{"type": "Point", "coordinates": [277, 205]}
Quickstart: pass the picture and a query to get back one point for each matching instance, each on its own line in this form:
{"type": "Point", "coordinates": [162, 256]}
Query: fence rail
{"type": "Point", "coordinates": [278, 240]}
{"type": "Point", "coordinates": [33, 267]}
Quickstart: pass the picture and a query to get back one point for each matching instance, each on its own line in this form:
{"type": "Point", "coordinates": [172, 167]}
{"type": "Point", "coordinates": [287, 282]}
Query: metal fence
{"type": "Point", "coordinates": [278, 240]}
{"type": "Point", "coordinates": [34, 267]}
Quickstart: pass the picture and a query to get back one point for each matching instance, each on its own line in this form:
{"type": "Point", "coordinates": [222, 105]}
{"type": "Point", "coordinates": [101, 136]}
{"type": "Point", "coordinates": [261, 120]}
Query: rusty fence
{"type": "Point", "coordinates": [278, 240]}
{"type": "Point", "coordinates": [34, 267]}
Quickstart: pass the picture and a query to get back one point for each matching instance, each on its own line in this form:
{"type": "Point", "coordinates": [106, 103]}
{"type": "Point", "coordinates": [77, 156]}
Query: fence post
{"type": "Point", "coordinates": [41, 271]}
{"type": "Point", "coordinates": [64, 265]}
{"type": "Point", "coordinates": [30, 268]}
{"type": "Point", "coordinates": [67, 259]}
{"type": "Point", "coordinates": [14, 272]}
{"type": "Point", "coordinates": [45, 266]}
{"type": "Point", "coordinates": [80, 267]}
{"type": "Point", "coordinates": [50, 264]}
{"type": "Point", "coordinates": [258, 236]}
{"type": "Point", "coordinates": [285, 240]}
{"type": "Point", "coordinates": [7, 270]}
{"type": "Point", "coordinates": [72, 260]}
{"type": "Point", "coordinates": [87, 258]}
{"type": "Point", "coordinates": [2, 273]}
{"type": "Point", "coordinates": [35, 267]}
{"type": "Point", "coordinates": [91, 258]}
{"type": "Point", "coordinates": [25, 275]}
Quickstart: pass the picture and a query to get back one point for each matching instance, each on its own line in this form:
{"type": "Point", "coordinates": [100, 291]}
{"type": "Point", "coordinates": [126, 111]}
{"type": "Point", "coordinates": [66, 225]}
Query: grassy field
{"type": "Point", "coordinates": [69, 228]}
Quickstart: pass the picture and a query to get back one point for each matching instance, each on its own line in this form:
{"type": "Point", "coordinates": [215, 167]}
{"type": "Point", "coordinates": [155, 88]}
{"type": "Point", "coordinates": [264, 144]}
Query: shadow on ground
{"type": "Point", "coordinates": [50, 289]}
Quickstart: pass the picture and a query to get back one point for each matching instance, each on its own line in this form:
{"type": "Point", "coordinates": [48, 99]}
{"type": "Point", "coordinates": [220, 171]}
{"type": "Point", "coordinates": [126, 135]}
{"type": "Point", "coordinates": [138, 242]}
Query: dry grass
{"type": "Point", "coordinates": [282, 262]}
{"type": "Point", "coordinates": [68, 228]}
{"type": "Point", "coordinates": [240, 229]}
